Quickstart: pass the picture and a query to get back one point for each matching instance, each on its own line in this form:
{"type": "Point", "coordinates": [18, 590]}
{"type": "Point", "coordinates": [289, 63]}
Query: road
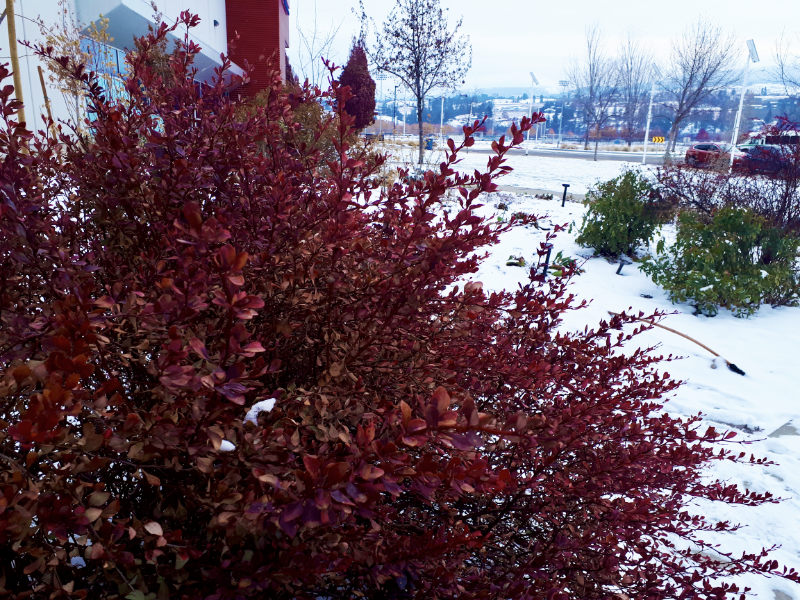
{"type": "Point", "coordinates": [653, 158]}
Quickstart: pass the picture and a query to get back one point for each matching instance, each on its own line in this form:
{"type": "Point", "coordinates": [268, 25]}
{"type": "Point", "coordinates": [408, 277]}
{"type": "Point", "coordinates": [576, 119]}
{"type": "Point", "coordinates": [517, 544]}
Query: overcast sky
{"type": "Point", "coordinates": [511, 38]}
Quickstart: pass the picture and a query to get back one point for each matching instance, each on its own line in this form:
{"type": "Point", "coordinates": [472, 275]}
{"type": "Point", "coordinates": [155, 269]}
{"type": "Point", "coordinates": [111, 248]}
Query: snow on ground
{"type": "Point", "coordinates": [549, 173]}
{"type": "Point", "coordinates": [763, 407]}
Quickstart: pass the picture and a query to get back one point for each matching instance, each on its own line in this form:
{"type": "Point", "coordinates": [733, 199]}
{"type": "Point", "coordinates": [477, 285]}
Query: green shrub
{"type": "Point", "coordinates": [732, 260]}
{"type": "Point", "coordinates": [621, 215]}
{"type": "Point", "coordinates": [563, 265]}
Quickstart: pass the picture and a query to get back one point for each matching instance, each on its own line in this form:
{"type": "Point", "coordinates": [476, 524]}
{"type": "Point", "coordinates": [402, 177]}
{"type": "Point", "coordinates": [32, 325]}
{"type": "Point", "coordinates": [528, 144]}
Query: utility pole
{"type": "Point", "coordinates": [12, 47]}
{"type": "Point", "coordinates": [564, 84]}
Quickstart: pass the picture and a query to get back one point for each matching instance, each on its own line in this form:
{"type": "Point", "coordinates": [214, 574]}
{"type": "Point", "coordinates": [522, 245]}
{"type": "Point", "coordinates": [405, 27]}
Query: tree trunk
{"type": "Point", "coordinates": [419, 126]}
{"type": "Point", "coordinates": [586, 139]}
{"type": "Point", "coordinates": [596, 141]}
{"type": "Point", "coordinates": [671, 140]}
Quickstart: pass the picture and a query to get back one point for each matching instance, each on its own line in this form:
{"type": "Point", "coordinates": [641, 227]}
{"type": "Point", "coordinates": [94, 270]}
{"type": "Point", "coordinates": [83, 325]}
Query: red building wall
{"type": "Point", "coordinates": [263, 29]}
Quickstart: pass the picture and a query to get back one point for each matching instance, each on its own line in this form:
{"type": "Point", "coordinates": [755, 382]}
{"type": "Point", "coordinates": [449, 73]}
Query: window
{"type": "Point", "coordinates": [109, 65]}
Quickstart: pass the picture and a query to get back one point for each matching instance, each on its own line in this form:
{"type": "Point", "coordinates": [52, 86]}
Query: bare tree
{"type": "Point", "coordinates": [634, 74]}
{"type": "Point", "coordinates": [594, 81]}
{"type": "Point", "coordinates": [313, 46]}
{"type": "Point", "coordinates": [417, 45]}
{"type": "Point", "coordinates": [788, 65]}
{"type": "Point", "coordinates": [90, 47]}
{"type": "Point", "coordinates": [700, 65]}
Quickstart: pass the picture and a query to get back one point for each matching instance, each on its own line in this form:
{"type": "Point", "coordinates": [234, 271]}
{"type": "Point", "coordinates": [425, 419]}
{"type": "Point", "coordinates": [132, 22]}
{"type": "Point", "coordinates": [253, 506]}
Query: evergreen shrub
{"type": "Point", "coordinates": [732, 259]}
{"type": "Point", "coordinates": [622, 214]}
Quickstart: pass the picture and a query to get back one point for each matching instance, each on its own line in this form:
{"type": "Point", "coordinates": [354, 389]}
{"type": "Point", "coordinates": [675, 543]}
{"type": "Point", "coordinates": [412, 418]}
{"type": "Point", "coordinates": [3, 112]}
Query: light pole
{"type": "Point", "coordinates": [394, 111]}
{"type": "Point", "coordinates": [656, 75]}
{"type": "Point", "coordinates": [564, 84]}
{"type": "Point", "coordinates": [534, 82]}
{"type": "Point", "coordinates": [380, 77]}
{"type": "Point", "coordinates": [404, 112]}
{"type": "Point", "coordinates": [441, 122]}
{"type": "Point", "coordinates": [751, 55]}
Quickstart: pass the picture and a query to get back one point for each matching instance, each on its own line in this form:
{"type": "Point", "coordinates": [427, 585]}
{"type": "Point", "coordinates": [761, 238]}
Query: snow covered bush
{"type": "Point", "coordinates": [621, 215]}
{"type": "Point", "coordinates": [231, 369]}
{"type": "Point", "coordinates": [731, 259]}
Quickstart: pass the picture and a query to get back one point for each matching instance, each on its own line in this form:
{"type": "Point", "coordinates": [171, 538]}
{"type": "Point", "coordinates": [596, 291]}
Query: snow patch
{"type": "Point", "coordinates": [257, 408]}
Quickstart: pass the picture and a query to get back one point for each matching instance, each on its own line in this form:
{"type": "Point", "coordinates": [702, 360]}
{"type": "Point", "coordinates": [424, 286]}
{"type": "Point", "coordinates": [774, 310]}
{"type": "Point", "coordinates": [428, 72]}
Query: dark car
{"type": "Point", "coordinates": [707, 154]}
{"type": "Point", "coordinates": [765, 158]}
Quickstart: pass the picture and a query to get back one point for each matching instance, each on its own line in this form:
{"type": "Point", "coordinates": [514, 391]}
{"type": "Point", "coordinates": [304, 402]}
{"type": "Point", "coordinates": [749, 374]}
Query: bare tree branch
{"type": "Point", "coordinates": [594, 81]}
{"type": "Point", "coordinates": [700, 66]}
{"type": "Point", "coordinates": [313, 47]}
{"type": "Point", "coordinates": [634, 74]}
{"type": "Point", "coordinates": [417, 45]}
{"type": "Point", "coordinates": [787, 65]}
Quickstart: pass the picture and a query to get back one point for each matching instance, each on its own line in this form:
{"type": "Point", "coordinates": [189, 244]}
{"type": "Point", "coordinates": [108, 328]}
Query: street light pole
{"type": "Point", "coordinates": [649, 118]}
{"type": "Point", "coordinates": [441, 122]}
{"type": "Point", "coordinates": [404, 112]}
{"type": "Point", "coordinates": [394, 112]}
{"type": "Point", "coordinates": [656, 74]}
{"type": "Point", "coordinates": [751, 55]}
{"type": "Point", "coordinates": [564, 84]}
{"type": "Point", "coordinates": [380, 77]}
{"type": "Point", "coordinates": [534, 82]}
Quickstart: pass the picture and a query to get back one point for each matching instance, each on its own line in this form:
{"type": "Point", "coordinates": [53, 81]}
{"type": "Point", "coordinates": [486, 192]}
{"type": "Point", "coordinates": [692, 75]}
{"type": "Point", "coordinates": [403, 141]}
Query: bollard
{"type": "Point", "coordinates": [547, 260]}
{"type": "Point", "coordinates": [564, 199]}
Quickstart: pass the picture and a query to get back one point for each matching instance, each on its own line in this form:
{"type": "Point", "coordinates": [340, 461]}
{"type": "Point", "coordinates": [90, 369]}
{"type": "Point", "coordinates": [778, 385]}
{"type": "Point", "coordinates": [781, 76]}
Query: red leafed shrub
{"type": "Point", "coordinates": [428, 440]}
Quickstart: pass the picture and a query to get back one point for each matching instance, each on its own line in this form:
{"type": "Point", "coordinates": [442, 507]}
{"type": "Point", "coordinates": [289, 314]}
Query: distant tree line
{"type": "Point", "coordinates": [611, 94]}
{"type": "Point", "coordinates": [480, 105]}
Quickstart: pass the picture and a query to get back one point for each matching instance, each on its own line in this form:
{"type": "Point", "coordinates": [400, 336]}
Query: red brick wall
{"type": "Point", "coordinates": [263, 28]}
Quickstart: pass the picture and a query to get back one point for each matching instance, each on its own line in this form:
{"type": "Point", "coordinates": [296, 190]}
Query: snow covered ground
{"type": "Point", "coordinates": [763, 407]}
{"type": "Point", "coordinates": [530, 172]}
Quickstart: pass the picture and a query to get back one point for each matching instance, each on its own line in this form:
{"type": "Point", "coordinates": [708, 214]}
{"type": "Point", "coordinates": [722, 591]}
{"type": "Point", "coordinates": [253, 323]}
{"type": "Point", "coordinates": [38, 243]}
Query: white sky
{"type": "Point", "coordinates": [510, 38]}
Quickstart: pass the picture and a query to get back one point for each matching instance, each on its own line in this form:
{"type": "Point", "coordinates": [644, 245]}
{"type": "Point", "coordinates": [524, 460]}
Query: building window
{"type": "Point", "coordinates": [109, 65]}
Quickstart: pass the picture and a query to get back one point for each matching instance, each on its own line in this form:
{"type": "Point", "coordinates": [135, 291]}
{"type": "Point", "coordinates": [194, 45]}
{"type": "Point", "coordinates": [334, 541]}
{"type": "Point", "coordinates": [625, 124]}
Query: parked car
{"type": "Point", "coordinates": [764, 158]}
{"type": "Point", "coordinates": [707, 154]}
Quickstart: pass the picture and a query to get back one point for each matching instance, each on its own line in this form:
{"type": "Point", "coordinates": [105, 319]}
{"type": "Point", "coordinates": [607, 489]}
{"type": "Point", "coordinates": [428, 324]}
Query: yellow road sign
{"type": "Point", "coordinates": [657, 139]}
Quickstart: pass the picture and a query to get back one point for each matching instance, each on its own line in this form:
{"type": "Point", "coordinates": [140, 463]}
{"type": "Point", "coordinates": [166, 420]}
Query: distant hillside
{"type": "Point", "coordinates": [509, 92]}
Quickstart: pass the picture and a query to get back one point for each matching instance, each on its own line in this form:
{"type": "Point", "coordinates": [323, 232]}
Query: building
{"type": "Point", "coordinates": [261, 29]}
